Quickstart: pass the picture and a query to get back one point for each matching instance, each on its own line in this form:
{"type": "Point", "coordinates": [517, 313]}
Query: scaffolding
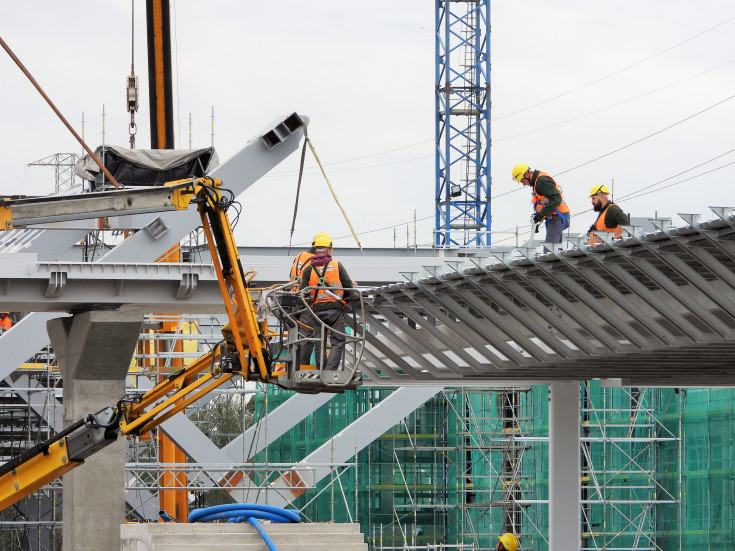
{"type": "Point", "coordinates": [471, 463]}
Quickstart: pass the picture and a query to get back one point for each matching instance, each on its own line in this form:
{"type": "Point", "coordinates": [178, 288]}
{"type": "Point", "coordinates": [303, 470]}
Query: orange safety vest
{"type": "Point", "coordinates": [326, 279]}
{"type": "Point", "coordinates": [5, 323]}
{"type": "Point", "coordinates": [600, 225]}
{"type": "Point", "coordinates": [301, 261]}
{"type": "Point", "coordinates": [540, 201]}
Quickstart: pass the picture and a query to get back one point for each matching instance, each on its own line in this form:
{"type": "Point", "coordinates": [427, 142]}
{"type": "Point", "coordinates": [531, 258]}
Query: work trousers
{"type": "Point", "coordinates": [334, 319]}
{"type": "Point", "coordinates": [555, 227]}
{"type": "Point", "coordinates": [306, 347]}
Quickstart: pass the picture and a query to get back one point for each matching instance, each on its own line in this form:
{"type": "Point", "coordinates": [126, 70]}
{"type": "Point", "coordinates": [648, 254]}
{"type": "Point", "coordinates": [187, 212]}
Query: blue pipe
{"type": "Point", "coordinates": [238, 512]}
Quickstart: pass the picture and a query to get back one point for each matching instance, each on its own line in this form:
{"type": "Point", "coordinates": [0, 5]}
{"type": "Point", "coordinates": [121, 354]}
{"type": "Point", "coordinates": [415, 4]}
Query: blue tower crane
{"type": "Point", "coordinates": [462, 216]}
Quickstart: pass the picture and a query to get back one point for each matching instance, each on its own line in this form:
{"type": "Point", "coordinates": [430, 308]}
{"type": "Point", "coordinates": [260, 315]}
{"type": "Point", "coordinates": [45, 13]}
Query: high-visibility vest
{"type": "Point", "coordinates": [301, 261]}
{"type": "Point", "coordinates": [327, 282]}
{"type": "Point", "coordinates": [5, 323]}
{"type": "Point", "coordinates": [540, 201]}
{"type": "Point", "coordinates": [600, 226]}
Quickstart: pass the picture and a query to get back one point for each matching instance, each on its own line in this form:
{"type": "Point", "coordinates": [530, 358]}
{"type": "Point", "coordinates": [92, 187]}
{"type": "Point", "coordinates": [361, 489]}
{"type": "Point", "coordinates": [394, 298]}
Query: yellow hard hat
{"type": "Point", "coordinates": [317, 235]}
{"type": "Point", "coordinates": [6, 313]}
{"type": "Point", "coordinates": [518, 172]}
{"type": "Point", "coordinates": [322, 240]}
{"type": "Point", "coordinates": [599, 188]}
{"type": "Point", "coordinates": [509, 541]}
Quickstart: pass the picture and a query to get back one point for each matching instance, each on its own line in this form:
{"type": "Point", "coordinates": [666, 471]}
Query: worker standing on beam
{"type": "Point", "coordinates": [548, 202]}
{"type": "Point", "coordinates": [611, 217]}
{"type": "Point", "coordinates": [300, 262]}
{"type": "Point", "coordinates": [327, 281]}
{"type": "Point", "coordinates": [507, 542]}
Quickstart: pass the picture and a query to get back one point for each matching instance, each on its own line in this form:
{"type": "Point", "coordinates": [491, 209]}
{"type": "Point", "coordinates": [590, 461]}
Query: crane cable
{"type": "Point", "coordinates": [132, 84]}
{"type": "Point", "coordinates": [329, 184]}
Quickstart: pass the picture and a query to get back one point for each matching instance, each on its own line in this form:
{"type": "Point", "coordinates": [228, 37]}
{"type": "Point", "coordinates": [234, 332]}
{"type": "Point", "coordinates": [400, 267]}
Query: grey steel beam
{"type": "Point", "coordinates": [511, 325]}
{"type": "Point", "coordinates": [474, 342]}
{"type": "Point", "coordinates": [274, 425]}
{"type": "Point", "coordinates": [416, 334]}
{"type": "Point", "coordinates": [356, 436]}
{"type": "Point", "coordinates": [662, 306]}
{"type": "Point", "coordinates": [621, 301]}
{"type": "Point", "coordinates": [505, 352]}
{"type": "Point", "coordinates": [388, 353]}
{"type": "Point", "coordinates": [582, 311]}
{"type": "Point", "coordinates": [76, 286]}
{"type": "Point", "coordinates": [519, 293]}
{"type": "Point", "coordinates": [428, 324]}
{"type": "Point", "coordinates": [405, 345]}
{"type": "Point", "coordinates": [493, 294]}
{"type": "Point", "coordinates": [654, 274]}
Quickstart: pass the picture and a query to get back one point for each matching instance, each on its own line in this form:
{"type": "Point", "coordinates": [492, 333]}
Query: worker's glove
{"type": "Point", "coordinates": [537, 217]}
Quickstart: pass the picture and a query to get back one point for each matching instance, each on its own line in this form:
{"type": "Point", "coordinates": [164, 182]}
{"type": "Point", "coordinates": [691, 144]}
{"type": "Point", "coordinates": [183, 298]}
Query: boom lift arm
{"type": "Point", "coordinates": [248, 355]}
{"type": "Point", "coordinates": [131, 416]}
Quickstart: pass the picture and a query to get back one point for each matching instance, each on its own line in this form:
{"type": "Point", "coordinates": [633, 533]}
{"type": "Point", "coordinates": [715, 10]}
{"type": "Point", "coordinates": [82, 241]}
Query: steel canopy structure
{"type": "Point", "coordinates": [654, 309]}
{"type": "Point", "coordinates": [651, 310]}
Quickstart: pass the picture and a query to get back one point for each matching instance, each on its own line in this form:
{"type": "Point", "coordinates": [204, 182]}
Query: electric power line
{"type": "Point", "coordinates": [612, 105]}
{"type": "Point", "coordinates": [647, 137]}
{"type": "Point", "coordinates": [616, 72]}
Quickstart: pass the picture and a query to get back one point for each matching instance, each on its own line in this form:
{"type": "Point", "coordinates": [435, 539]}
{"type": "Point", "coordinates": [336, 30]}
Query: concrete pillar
{"type": "Point", "coordinates": [565, 483]}
{"type": "Point", "coordinates": [93, 350]}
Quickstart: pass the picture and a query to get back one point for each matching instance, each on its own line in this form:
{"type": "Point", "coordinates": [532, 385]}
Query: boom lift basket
{"type": "Point", "coordinates": [295, 320]}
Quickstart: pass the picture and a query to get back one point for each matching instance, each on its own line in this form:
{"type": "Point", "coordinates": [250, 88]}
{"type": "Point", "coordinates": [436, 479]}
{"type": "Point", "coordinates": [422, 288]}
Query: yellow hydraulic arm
{"type": "Point", "coordinates": [134, 416]}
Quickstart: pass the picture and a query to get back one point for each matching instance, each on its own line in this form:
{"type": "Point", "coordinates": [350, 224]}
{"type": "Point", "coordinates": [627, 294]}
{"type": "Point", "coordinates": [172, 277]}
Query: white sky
{"type": "Point", "coordinates": [364, 74]}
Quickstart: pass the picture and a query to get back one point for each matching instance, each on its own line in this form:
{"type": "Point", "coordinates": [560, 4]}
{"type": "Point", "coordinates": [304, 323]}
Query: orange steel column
{"type": "Point", "coordinates": [173, 501]}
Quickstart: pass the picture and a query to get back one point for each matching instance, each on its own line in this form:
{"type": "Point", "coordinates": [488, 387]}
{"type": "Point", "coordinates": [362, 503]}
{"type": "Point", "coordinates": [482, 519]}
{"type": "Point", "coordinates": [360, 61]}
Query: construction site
{"type": "Point", "coordinates": [166, 386]}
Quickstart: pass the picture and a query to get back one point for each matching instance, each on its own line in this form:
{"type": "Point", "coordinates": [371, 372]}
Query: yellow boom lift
{"type": "Point", "coordinates": [249, 352]}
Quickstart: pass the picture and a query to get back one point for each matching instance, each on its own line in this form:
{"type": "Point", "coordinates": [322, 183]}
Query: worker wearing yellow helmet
{"type": "Point", "coordinates": [326, 285]}
{"type": "Point", "coordinates": [611, 217]}
{"type": "Point", "coordinates": [507, 542]}
{"type": "Point", "coordinates": [301, 261]}
{"type": "Point", "coordinates": [548, 202]}
{"type": "Point", "coordinates": [303, 258]}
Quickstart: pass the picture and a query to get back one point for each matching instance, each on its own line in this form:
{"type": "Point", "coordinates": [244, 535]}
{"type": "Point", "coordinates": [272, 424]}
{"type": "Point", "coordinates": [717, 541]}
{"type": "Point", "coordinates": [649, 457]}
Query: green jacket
{"type": "Point", "coordinates": [545, 186]}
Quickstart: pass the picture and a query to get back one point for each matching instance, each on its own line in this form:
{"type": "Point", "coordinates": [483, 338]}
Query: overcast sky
{"type": "Point", "coordinates": [648, 87]}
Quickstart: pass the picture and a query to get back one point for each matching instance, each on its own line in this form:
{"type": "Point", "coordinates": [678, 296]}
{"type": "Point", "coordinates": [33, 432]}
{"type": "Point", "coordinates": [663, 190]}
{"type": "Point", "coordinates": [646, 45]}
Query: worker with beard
{"type": "Point", "coordinates": [611, 217]}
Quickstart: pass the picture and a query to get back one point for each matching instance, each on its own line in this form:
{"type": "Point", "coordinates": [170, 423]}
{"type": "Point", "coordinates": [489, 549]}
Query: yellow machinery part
{"type": "Point", "coordinates": [35, 473]}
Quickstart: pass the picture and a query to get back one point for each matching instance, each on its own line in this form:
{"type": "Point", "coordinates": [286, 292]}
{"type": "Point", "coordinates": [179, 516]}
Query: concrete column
{"type": "Point", "coordinates": [564, 467]}
{"type": "Point", "coordinates": [93, 350]}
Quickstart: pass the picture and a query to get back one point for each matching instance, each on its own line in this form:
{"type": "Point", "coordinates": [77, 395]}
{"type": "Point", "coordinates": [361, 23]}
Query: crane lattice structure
{"type": "Point", "coordinates": [63, 164]}
{"type": "Point", "coordinates": [462, 122]}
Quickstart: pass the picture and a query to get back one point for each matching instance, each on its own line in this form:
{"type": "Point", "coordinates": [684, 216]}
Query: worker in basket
{"type": "Point", "coordinates": [507, 542]}
{"type": "Point", "coordinates": [300, 262]}
{"type": "Point", "coordinates": [611, 217]}
{"type": "Point", "coordinates": [328, 282]}
{"type": "Point", "coordinates": [303, 259]}
{"type": "Point", "coordinates": [548, 202]}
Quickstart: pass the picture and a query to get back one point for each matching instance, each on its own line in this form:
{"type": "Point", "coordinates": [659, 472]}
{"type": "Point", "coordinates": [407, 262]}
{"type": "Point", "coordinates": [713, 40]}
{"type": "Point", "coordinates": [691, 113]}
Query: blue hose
{"type": "Point", "coordinates": [239, 512]}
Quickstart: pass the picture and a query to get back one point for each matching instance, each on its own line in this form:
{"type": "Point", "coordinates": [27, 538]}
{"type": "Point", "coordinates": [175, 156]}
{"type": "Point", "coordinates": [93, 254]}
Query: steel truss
{"type": "Point", "coordinates": [462, 124]}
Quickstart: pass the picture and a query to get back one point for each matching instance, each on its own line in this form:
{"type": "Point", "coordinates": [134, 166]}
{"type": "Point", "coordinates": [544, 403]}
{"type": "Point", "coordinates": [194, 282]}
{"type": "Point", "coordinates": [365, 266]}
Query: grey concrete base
{"type": "Point", "coordinates": [93, 350]}
{"type": "Point", "coordinates": [240, 537]}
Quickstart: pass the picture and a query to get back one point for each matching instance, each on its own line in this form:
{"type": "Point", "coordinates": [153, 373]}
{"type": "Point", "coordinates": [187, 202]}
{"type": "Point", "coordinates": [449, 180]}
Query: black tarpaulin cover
{"type": "Point", "coordinates": [148, 167]}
